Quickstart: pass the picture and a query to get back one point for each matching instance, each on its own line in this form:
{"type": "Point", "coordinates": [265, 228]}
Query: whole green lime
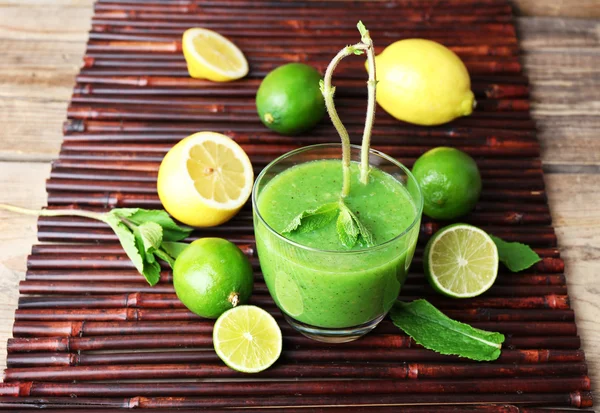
{"type": "Point", "coordinates": [289, 99]}
{"type": "Point", "coordinates": [211, 276]}
{"type": "Point", "coordinates": [450, 182]}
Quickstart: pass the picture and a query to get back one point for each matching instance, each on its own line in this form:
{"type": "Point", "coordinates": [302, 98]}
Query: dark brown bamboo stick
{"type": "Point", "coordinates": [389, 371]}
{"type": "Point", "coordinates": [239, 105]}
{"type": "Point", "coordinates": [278, 26]}
{"type": "Point", "coordinates": [119, 287]}
{"type": "Point", "coordinates": [351, 409]}
{"type": "Point", "coordinates": [137, 187]}
{"type": "Point", "coordinates": [158, 81]}
{"type": "Point", "coordinates": [316, 23]}
{"type": "Point", "coordinates": [297, 18]}
{"type": "Point", "coordinates": [308, 4]}
{"type": "Point", "coordinates": [151, 176]}
{"type": "Point", "coordinates": [149, 341]}
{"type": "Point", "coordinates": [97, 126]}
{"type": "Point", "coordinates": [150, 300]}
{"type": "Point", "coordinates": [500, 402]}
{"type": "Point", "coordinates": [134, 113]}
{"type": "Point", "coordinates": [248, 249]}
{"type": "Point", "coordinates": [243, 235]}
{"type": "Point", "coordinates": [299, 356]}
{"type": "Point", "coordinates": [127, 276]}
{"type": "Point", "coordinates": [214, 7]}
{"type": "Point", "coordinates": [477, 408]}
{"type": "Point", "coordinates": [91, 328]}
{"type": "Point", "coordinates": [531, 235]}
{"type": "Point", "coordinates": [254, 133]}
{"type": "Point", "coordinates": [33, 313]}
{"type": "Point", "coordinates": [111, 199]}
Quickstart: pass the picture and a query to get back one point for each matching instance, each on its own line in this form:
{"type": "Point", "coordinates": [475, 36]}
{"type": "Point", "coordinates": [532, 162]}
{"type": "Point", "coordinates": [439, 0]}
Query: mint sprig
{"type": "Point", "coordinates": [514, 255]}
{"type": "Point", "coordinates": [145, 235]}
{"type": "Point", "coordinates": [435, 331]}
{"type": "Point", "coordinates": [349, 227]}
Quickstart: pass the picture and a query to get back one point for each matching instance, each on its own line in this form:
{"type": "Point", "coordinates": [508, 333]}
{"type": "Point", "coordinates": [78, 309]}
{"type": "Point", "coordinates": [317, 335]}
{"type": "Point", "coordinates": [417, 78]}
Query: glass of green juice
{"type": "Point", "coordinates": [325, 290]}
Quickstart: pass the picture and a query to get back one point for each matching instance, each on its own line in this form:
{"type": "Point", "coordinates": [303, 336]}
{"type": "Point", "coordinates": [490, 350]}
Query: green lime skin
{"type": "Point", "coordinates": [211, 276]}
{"type": "Point", "coordinates": [450, 182]}
{"type": "Point", "coordinates": [289, 100]}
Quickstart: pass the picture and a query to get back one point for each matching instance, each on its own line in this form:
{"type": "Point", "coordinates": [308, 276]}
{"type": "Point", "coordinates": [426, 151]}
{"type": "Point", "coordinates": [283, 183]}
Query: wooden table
{"type": "Point", "coordinates": [42, 42]}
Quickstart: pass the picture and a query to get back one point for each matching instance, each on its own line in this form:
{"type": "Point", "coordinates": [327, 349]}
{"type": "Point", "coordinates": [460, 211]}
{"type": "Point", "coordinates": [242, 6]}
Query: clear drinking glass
{"type": "Point", "coordinates": [334, 296]}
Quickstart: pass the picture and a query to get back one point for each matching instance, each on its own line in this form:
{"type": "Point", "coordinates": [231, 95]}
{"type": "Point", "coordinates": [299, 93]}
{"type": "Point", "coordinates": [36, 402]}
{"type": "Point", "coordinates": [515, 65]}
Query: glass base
{"type": "Point", "coordinates": [333, 335]}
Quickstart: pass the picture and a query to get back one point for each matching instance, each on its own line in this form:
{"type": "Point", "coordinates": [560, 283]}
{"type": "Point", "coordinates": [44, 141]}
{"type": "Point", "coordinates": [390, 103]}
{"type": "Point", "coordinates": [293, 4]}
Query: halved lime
{"type": "Point", "coordinates": [461, 261]}
{"type": "Point", "coordinates": [247, 339]}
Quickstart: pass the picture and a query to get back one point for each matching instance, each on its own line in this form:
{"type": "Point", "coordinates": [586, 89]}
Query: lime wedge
{"type": "Point", "coordinates": [461, 261]}
{"type": "Point", "coordinates": [247, 339]}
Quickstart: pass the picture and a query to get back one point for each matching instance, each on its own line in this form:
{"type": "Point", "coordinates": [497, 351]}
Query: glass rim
{"type": "Point", "coordinates": [312, 249]}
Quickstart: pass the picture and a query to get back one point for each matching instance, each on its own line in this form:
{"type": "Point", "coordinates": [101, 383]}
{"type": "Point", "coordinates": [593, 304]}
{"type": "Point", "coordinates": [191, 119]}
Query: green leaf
{"type": "Point", "coordinates": [516, 256]}
{"type": "Point", "coordinates": [361, 28]}
{"type": "Point", "coordinates": [435, 331]}
{"type": "Point", "coordinates": [127, 240]}
{"type": "Point", "coordinates": [165, 256]}
{"type": "Point", "coordinates": [173, 248]}
{"type": "Point", "coordinates": [151, 235]}
{"type": "Point", "coordinates": [348, 228]}
{"type": "Point", "coordinates": [138, 216]}
{"type": "Point", "coordinates": [312, 219]}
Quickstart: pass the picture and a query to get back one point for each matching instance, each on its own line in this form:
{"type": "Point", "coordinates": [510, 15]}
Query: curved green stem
{"type": "Point", "coordinates": [53, 212]}
{"type": "Point", "coordinates": [328, 92]}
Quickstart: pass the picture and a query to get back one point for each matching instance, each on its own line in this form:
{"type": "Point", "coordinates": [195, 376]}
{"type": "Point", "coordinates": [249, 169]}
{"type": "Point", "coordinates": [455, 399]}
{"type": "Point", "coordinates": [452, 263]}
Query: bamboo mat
{"type": "Point", "coordinates": [91, 335]}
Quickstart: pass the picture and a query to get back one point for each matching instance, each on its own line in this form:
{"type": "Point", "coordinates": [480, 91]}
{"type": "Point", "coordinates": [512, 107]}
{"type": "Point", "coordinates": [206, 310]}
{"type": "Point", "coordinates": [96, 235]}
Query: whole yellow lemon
{"type": "Point", "coordinates": [423, 82]}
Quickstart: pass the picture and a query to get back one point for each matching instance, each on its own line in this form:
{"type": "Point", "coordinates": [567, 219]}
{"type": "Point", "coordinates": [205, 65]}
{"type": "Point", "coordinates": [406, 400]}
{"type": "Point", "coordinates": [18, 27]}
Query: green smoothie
{"type": "Point", "coordinates": [315, 279]}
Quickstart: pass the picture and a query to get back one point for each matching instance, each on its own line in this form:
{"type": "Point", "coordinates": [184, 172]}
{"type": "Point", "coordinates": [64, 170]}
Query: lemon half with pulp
{"type": "Point", "coordinates": [205, 179]}
{"type": "Point", "coordinates": [212, 56]}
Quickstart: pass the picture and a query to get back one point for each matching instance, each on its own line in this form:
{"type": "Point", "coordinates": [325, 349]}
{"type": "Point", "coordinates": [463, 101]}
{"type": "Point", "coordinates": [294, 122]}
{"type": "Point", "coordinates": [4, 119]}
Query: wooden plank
{"type": "Point", "coordinates": [564, 8]}
{"type": "Point", "coordinates": [21, 184]}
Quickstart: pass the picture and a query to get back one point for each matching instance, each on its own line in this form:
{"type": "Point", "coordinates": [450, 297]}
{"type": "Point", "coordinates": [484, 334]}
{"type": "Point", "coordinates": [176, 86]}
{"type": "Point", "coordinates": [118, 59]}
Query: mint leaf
{"type": "Point", "coordinates": [151, 235]}
{"type": "Point", "coordinates": [138, 216]}
{"type": "Point", "coordinates": [435, 331]}
{"type": "Point", "coordinates": [173, 248]}
{"type": "Point", "coordinates": [312, 219]}
{"type": "Point", "coordinates": [516, 256]}
{"type": "Point", "coordinates": [127, 240]}
{"type": "Point", "coordinates": [346, 228]}
{"type": "Point", "coordinates": [348, 225]}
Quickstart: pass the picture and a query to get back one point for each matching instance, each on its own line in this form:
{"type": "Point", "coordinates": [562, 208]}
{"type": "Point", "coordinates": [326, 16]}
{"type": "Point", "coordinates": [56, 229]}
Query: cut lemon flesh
{"type": "Point", "coordinates": [461, 261]}
{"type": "Point", "coordinates": [247, 339]}
{"type": "Point", "coordinates": [205, 179]}
{"type": "Point", "coordinates": [212, 56]}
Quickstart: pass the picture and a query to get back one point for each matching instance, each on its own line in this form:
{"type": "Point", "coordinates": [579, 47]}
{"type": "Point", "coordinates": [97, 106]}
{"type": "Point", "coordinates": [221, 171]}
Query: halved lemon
{"type": "Point", "coordinates": [205, 179]}
{"type": "Point", "coordinates": [247, 339]}
{"type": "Point", "coordinates": [212, 56]}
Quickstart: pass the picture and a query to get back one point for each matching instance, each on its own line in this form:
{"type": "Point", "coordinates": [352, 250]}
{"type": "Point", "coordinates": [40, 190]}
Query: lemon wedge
{"type": "Point", "coordinates": [205, 179]}
{"type": "Point", "coordinates": [212, 56]}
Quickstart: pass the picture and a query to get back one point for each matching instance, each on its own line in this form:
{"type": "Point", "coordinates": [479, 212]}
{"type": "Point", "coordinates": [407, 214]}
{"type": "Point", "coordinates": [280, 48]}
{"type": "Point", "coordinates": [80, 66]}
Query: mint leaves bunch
{"type": "Point", "coordinates": [146, 235]}
{"type": "Point", "coordinates": [349, 228]}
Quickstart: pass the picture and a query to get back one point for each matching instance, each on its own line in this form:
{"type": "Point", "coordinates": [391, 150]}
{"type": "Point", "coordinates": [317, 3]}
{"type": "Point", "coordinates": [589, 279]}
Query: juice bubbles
{"type": "Point", "coordinates": [322, 287]}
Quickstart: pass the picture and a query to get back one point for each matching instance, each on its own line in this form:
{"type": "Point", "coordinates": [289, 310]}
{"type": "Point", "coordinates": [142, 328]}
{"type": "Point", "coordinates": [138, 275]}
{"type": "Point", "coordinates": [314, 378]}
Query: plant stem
{"type": "Point", "coordinates": [371, 88]}
{"type": "Point", "coordinates": [53, 212]}
{"type": "Point", "coordinates": [328, 92]}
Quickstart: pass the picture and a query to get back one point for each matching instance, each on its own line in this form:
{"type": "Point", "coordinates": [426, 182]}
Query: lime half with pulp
{"type": "Point", "coordinates": [461, 261]}
{"type": "Point", "coordinates": [247, 339]}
